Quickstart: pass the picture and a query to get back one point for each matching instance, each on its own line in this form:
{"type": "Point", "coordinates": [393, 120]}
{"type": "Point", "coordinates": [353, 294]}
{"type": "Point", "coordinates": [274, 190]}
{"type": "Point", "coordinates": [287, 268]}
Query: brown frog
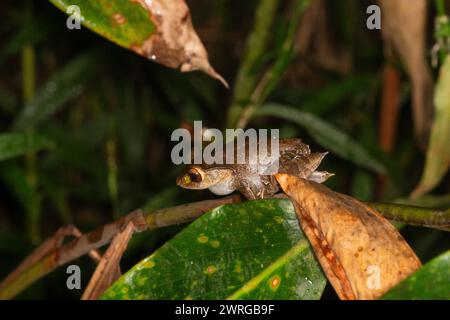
{"type": "Point", "coordinates": [294, 158]}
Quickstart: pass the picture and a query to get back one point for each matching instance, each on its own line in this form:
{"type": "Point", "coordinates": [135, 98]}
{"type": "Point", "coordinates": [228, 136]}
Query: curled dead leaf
{"type": "Point", "coordinates": [175, 43]}
{"type": "Point", "coordinates": [404, 28]}
{"type": "Point", "coordinates": [362, 254]}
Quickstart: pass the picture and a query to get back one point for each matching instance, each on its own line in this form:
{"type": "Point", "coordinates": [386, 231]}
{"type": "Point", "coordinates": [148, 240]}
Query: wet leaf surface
{"type": "Point", "coordinates": [252, 250]}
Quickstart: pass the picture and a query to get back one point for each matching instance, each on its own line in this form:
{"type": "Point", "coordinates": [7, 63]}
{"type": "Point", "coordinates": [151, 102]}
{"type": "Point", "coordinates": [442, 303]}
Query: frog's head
{"type": "Point", "coordinates": [197, 177]}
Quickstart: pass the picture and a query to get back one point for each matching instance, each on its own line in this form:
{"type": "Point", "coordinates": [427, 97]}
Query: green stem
{"type": "Point", "coordinates": [442, 29]}
{"type": "Point", "coordinates": [113, 185]}
{"type": "Point", "coordinates": [28, 92]}
{"type": "Point", "coordinates": [256, 47]}
{"type": "Point", "coordinates": [433, 218]}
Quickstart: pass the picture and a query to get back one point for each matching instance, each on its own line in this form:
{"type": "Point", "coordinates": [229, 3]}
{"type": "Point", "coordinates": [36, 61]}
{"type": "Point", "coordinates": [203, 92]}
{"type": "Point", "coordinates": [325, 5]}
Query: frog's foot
{"type": "Point", "coordinates": [249, 191]}
{"type": "Point", "coordinates": [270, 184]}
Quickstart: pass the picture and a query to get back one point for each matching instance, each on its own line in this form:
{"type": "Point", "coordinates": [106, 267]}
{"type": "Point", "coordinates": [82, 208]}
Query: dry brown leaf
{"type": "Point", "coordinates": [404, 28]}
{"type": "Point", "coordinates": [362, 254]}
{"type": "Point", "coordinates": [175, 42]}
{"type": "Point", "coordinates": [108, 269]}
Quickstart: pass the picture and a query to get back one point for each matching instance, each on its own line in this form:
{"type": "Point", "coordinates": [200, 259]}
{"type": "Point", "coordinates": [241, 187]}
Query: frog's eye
{"type": "Point", "coordinates": [194, 175]}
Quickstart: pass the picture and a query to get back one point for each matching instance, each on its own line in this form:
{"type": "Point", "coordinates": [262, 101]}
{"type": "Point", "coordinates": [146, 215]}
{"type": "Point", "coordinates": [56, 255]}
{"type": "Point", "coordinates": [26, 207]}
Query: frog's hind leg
{"type": "Point", "coordinates": [261, 187]}
{"type": "Point", "coordinates": [248, 190]}
{"type": "Point", "coordinates": [270, 186]}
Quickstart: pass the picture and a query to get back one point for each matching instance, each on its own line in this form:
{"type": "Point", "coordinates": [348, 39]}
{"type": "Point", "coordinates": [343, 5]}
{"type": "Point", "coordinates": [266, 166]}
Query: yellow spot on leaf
{"type": "Point", "coordinates": [119, 19]}
{"type": "Point", "coordinates": [149, 264]}
{"type": "Point", "coordinates": [257, 214]}
{"type": "Point", "coordinates": [215, 244]}
{"type": "Point", "coordinates": [275, 282]}
{"type": "Point", "coordinates": [278, 219]}
{"type": "Point", "coordinates": [211, 269]}
{"type": "Point", "coordinates": [141, 281]}
{"type": "Point", "coordinates": [202, 238]}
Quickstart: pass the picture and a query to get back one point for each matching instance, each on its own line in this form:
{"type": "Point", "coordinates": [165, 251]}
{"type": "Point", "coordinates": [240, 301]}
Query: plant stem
{"type": "Point", "coordinates": [16, 282]}
{"type": "Point", "coordinates": [442, 30]}
{"type": "Point", "coordinates": [113, 184]}
{"type": "Point", "coordinates": [434, 218]}
{"type": "Point", "coordinates": [255, 49]}
{"type": "Point", "coordinates": [29, 89]}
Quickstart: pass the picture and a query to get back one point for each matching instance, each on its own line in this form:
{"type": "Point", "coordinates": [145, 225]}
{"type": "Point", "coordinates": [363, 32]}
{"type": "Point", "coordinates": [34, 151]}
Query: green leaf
{"type": "Point", "coordinates": [159, 30]}
{"type": "Point", "coordinates": [125, 23]}
{"type": "Point", "coordinates": [252, 250]}
{"type": "Point", "coordinates": [438, 153]}
{"type": "Point", "coordinates": [17, 144]}
{"type": "Point", "coordinates": [62, 87]}
{"type": "Point", "coordinates": [325, 134]}
{"type": "Point", "coordinates": [431, 282]}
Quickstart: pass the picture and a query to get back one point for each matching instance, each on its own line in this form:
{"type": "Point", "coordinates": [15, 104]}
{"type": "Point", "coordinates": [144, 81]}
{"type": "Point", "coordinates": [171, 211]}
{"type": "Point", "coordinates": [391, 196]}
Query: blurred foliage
{"type": "Point", "coordinates": [90, 123]}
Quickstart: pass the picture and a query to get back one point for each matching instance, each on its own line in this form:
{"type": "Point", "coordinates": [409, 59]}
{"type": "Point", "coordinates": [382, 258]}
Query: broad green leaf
{"type": "Point", "coordinates": [63, 86]}
{"type": "Point", "coordinates": [438, 154]}
{"type": "Point", "coordinates": [17, 144]}
{"type": "Point", "coordinates": [125, 23]}
{"type": "Point", "coordinates": [158, 30]}
{"type": "Point", "coordinates": [431, 282]}
{"type": "Point", "coordinates": [252, 250]}
{"type": "Point", "coordinates": [331, 138]}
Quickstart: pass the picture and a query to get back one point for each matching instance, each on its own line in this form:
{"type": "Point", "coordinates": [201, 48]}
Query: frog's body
{"type": "Point", "coordinates": [294, 158]}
